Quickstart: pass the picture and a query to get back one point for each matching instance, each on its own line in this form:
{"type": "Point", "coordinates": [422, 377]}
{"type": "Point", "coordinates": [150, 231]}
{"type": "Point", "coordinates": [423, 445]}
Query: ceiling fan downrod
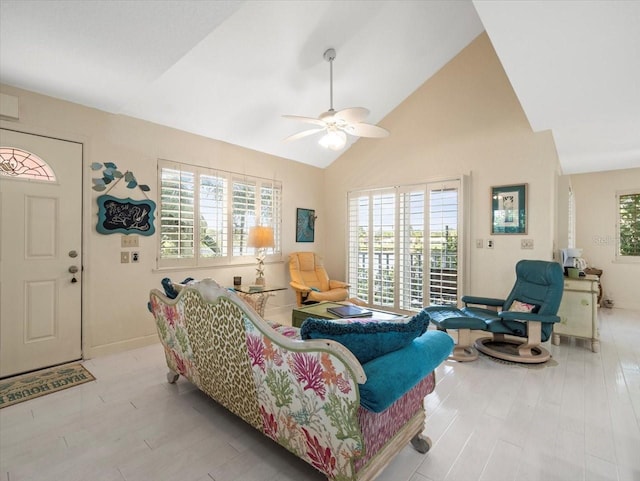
{"type": "Point", "coordinates": [330, 56]}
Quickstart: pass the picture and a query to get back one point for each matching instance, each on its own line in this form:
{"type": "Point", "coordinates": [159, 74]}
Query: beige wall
{"type": "Point", "coordinates": [464, 120]}
{"type": "Point", "coordinates": [596, 234]}
{"type": "Point", "coordinates": [115, 316]}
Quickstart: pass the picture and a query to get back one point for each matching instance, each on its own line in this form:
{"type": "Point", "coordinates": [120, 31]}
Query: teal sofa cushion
{"type": "Point", "coordinates": [367, 338]}
{"type": "Point", "coordinates": [390, 376]}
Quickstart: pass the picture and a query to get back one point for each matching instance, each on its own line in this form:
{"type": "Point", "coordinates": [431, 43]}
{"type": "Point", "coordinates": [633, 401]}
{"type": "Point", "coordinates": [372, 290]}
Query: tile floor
{"type": "Point", "coordinates": [577, 418]}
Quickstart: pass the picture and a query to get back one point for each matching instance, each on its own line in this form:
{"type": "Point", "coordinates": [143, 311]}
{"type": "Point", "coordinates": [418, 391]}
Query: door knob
{"type": "Point", "coordinates": [73, 269]}
{"type": "Point", "coordinates": [73, 254]}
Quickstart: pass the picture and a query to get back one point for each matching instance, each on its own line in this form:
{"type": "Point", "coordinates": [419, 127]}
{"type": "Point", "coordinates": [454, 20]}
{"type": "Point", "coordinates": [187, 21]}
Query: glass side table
{"type": "Point", "coordinates": [257, 296]}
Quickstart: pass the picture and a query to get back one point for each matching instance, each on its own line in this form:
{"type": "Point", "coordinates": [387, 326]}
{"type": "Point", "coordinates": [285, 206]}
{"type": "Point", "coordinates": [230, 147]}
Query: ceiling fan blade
{"type": "Point", "coordinates": [302, 134]}
{"type": "Point", "coordinates": [362, 129]}
{"type": "Point", "coordinates": [352, 114]}
{"type": "Point", "coordinates": [309, 120]}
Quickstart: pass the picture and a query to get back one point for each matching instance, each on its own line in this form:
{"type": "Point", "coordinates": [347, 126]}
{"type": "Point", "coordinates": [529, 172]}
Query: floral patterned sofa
{"type": "Point", "coordinates": [305, 395]}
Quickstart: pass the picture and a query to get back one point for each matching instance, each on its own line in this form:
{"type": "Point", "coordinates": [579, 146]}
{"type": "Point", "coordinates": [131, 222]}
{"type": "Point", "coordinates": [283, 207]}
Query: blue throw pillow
{"type": "Point", "coordinates": [367, 338]}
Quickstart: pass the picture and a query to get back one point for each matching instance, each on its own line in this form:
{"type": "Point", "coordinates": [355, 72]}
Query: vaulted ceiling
{"type": "Point", "coordinates": [229, 70]}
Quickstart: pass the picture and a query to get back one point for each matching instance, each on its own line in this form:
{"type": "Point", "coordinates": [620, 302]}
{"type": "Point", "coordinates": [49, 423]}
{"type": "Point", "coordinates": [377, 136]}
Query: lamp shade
{"type": "Point", "coordinates": [260, 237]}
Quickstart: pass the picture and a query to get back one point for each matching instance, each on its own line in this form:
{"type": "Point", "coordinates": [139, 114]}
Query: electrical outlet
{"type": "Point", "coordinates": [526, 244]}
{"type": "Point", "coordinates": [135, 256]}
{"type": "Point", "coordinates": [124, 257]}
{"type": "Point", "coordinates": [479, 243]}
{"type": "Point", "coordinates": [129, 241]}
{"type": "Point", "coordinates": [489, 243]}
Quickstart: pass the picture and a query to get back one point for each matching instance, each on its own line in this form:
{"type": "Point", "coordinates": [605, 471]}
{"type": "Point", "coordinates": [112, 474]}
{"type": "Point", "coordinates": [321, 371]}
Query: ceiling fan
{"type": "Point", "coordinates": [337, 124]}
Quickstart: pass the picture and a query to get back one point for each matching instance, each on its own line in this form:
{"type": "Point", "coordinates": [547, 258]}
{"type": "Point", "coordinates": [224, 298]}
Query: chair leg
{"type": "Point", "coordinates": [421, 443]}
{"type": "Point", "coordinates": [533, 341]}
{"type": "Point", "coordinates": [463, 350]}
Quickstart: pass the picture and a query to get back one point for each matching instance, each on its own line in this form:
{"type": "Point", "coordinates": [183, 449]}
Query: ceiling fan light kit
{"type": "Point", "coordinates": [337, 125]}
{"type": "Point", "coordinates": [334, 139]}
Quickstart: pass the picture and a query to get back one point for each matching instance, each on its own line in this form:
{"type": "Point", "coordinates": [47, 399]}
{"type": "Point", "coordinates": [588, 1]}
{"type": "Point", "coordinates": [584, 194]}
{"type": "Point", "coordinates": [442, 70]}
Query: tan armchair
{"type": "Point", "coordinates": [311, 282]}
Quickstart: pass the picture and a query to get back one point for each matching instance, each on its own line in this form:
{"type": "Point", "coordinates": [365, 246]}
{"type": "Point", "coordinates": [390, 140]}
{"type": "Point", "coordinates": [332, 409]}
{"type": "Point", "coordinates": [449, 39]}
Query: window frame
{"type": "Point", "coordinates": [31, 162]}
{"type": "Point", "coordinates": [618, 255]}
{"type": "Point", "coordinates": [273, 219]}
{"type": "Point", "coordinates": [357, 220]}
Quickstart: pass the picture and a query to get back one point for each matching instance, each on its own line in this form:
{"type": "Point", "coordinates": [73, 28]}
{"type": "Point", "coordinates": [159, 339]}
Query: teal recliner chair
{"type": "Point", "coordinates": [529, 312]}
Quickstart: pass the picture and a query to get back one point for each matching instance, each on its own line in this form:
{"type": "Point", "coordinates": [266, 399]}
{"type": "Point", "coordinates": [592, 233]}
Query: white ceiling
{"type": "Point", "coordinates": [229, 70]}
{"type": "Point", "coordinates": [575, 66]}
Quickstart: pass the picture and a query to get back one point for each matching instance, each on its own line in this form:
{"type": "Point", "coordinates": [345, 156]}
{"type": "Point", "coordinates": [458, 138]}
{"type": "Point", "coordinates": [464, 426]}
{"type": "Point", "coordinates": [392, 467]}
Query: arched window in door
{"type": "Point", "coordinates": [21, 164]}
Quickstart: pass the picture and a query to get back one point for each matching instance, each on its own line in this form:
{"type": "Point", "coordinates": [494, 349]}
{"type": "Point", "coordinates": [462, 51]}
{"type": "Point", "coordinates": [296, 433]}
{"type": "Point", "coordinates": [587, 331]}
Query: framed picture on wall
{"type": "Point", "coordinates": [509, 209]}
{"type": "Point", "coordinates": [305, 225]}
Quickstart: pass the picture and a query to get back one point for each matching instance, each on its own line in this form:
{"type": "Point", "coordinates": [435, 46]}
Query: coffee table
{"type": "Point", "coordinates": [319, 311]}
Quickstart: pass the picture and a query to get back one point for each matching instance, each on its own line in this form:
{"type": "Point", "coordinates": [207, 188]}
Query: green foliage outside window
{"type": "Point", "coordinates": [629, 212]}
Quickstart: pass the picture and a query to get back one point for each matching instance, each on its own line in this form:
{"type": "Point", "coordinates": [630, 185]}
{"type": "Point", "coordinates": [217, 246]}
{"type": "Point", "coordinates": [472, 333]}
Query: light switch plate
{"type": "Point", "coordinates": [129, 241]}
{"type": "Point", "coordinates": [124, 257]}
{"type": "Point", "coordinates": [479, 243]}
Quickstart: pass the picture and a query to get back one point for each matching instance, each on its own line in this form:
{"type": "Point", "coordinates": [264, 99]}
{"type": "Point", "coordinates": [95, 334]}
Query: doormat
{"type": "Point", "coordinates": [14, 390]}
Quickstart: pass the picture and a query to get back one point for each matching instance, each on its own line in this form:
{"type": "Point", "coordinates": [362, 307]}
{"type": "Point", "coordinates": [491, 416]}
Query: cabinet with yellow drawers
{"type": "Point", "coordinates": [579, 311]}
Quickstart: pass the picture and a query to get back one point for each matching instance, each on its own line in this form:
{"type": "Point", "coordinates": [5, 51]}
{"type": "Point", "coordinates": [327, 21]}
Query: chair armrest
{"type": "Point", "coordinates": [527, 316]}
{"type": "Point", "coordinates": [487, 301]}
{"type": "Point", "coordinates": [337, 284]}
{"type": "Point", "coordinates": [392, 375]}
{"type": "Point", "coordinates": [299, 287]}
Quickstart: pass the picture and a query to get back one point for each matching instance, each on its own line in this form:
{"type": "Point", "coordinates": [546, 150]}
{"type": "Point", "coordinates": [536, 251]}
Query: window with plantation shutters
{"type": "Point", "coordinates": [205, 215]}
{"type": "Point", "coordinates": [628, 225]}
{"type": "Point", "coordinates": [403, 245]}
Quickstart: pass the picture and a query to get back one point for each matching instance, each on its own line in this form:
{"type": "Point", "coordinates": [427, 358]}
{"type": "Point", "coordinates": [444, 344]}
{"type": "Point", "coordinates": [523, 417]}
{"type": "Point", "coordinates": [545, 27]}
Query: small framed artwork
{"type": "Point", "coordinates": [509, 209]}
{"type": "Point", "coordinates": [305, 225]}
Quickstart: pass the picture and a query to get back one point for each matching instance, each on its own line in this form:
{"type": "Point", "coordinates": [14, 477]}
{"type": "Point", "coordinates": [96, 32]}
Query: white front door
{"type": "Point", "coordinates": [40, 240]}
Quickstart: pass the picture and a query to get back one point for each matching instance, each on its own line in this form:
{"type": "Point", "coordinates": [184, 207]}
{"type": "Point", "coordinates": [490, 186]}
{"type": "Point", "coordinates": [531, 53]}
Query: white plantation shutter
{"type": "Point", "coordinates": [270, 200]}
{"type": "Point", "coordinates": [383, 248]}
{"type": "Point", "coordinates": [412, 252]}
{"type": "Point", "coordinates": [358, 249]}
{"type": "Point", "coordinates": [205, 215]}
{"type": "Point", "coordinates": [443, 243]}
{"type": "Point", "coordinates": [244, 215]}
{"type": "Point", "coordinates": [403, 245]}
{"type": "Point", "coordinates": [213, 231]}
{"type": "Point", "coordinates": [177, 192]}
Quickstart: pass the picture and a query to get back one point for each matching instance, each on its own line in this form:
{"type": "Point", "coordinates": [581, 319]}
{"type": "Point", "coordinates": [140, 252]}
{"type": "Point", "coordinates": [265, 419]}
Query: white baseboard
{"type": "Point", "coordinates": [120, 346]}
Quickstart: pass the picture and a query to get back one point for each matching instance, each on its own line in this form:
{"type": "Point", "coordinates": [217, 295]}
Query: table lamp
{"type": "Point", "coordinates": [260, 237]}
